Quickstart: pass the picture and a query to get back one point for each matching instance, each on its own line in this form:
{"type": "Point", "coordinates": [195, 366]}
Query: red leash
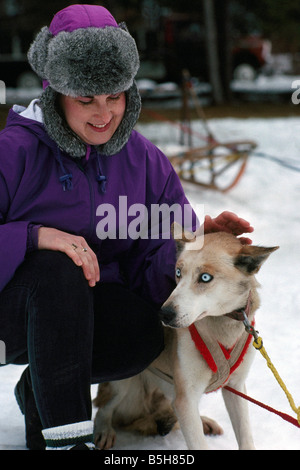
{"type": "Point", "coordinates": [284, 416]}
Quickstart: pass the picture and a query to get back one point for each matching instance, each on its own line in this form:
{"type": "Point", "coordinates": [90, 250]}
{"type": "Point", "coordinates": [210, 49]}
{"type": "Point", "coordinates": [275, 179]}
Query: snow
{"type": "Point", "coordinates": [267, 196]}
{"type": "Point", "coordinates": [277, 83]}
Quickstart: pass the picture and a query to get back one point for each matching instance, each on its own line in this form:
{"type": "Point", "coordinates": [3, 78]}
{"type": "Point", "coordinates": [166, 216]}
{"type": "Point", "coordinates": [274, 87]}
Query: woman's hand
{"type": "Point", "coordinates": [75, 247]}
{"type": "Point", "coordinates": [228, 222]}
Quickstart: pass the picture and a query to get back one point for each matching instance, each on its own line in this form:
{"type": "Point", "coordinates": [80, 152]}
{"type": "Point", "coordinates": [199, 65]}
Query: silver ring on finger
{"type": "Point", "coordinates": [84, 250]}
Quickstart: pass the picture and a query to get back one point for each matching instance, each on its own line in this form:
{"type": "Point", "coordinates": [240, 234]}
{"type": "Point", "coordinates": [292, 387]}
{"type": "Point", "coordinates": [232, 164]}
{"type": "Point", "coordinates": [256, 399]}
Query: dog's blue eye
{"type": "Point", "coordinates": [205, 277]}
{"type": "Point", "coordinates": [178, 272]}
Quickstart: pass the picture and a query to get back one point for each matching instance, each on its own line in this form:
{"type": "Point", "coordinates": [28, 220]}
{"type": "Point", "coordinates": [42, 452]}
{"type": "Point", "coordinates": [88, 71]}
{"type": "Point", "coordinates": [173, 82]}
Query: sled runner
{"type": "Point", "coordinates": [217, 165]}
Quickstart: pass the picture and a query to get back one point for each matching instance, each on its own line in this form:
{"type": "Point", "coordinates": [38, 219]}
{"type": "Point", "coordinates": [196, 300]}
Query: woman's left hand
{"type": "Point", "coordinates": [230, 223]}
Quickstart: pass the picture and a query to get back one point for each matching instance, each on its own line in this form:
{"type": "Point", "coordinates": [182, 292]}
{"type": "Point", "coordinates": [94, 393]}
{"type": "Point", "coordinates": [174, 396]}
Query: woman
{"type": "Point", "coordinates": [79, 297]}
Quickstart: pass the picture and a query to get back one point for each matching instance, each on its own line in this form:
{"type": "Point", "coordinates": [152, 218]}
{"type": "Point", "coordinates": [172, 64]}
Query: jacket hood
{"type": "Point", "coordinates": [32, 125]}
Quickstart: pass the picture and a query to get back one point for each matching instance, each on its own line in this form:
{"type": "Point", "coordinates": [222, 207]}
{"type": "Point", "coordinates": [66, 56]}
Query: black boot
{"type": "Point", "coordinates": [33, 426]}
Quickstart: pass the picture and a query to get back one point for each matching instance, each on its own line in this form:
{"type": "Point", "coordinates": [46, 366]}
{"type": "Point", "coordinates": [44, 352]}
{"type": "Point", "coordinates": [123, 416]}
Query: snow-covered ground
{"type": "Point", "coordinates": [268, 196]}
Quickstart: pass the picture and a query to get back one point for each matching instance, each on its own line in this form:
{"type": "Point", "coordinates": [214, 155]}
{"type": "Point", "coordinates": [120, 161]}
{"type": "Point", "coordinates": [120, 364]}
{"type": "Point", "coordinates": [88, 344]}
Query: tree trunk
{"type": "Point", "coordinates": [212, 51]}
{"type": "Point", "coordinates": [223, 22]}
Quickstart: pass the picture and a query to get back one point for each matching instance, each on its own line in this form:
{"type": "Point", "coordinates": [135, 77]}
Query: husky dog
{"type": "Point", "coordinates": [206, 347]}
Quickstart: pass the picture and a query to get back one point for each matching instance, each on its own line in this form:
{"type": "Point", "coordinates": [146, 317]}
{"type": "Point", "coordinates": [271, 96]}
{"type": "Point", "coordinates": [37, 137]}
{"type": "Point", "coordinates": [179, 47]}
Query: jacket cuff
{"type": "Point", "coordinates": [32, 237]}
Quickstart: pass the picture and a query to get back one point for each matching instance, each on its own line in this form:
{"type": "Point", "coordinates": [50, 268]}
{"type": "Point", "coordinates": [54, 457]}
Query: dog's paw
{"type": "Point", "coordinates": [105, 439]}
{"type": "Point", "coordinates": [211, 427]}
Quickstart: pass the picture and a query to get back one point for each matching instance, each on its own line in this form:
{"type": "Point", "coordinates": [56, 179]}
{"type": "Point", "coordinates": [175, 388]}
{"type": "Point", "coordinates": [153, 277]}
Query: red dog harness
{"type": "Point", "coordinates": [222, 361]}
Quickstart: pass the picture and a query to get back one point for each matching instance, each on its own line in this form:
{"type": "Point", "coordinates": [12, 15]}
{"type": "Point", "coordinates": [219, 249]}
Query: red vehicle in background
{"type": "Point", "coordinates": [250, 55]}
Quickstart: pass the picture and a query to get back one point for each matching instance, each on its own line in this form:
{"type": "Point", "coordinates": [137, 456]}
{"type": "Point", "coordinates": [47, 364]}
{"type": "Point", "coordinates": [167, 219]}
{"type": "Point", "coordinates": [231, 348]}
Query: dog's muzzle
{"type": "Point", "coordinates": [168, 316]}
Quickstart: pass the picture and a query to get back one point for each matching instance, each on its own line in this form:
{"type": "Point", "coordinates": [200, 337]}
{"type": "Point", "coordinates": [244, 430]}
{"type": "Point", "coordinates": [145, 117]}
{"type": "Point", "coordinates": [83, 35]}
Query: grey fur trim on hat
{"type": "Point", "coordinates": [86, 61]}
{"type": "Point", "coordinates": [37, 54]}
{"type": "Point", "coordinates": [69, 142]}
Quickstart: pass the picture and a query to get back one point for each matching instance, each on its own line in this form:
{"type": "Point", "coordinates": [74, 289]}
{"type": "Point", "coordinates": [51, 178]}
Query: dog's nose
{"type": "Point", "coordinates": [167, 315]}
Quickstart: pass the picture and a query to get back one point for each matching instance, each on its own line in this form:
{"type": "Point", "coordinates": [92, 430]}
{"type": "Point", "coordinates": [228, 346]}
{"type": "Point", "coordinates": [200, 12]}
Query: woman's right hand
{"type": "Point", "coordinates": [75, 247]}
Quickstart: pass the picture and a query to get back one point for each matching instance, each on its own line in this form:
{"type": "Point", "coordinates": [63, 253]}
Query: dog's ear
{"type": "Point", "coordinates": [250, 258]}
{"type": "Point", "coordinates": [181, 236]}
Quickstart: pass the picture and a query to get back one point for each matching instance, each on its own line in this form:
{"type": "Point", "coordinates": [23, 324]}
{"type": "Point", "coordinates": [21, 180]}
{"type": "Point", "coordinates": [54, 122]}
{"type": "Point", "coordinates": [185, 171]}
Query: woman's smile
{"type": "Point", "coordinates": [99, 127]}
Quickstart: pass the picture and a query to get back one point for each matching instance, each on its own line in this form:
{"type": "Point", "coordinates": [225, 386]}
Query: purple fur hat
{"type": "Point", "coordinates": [84, 52]}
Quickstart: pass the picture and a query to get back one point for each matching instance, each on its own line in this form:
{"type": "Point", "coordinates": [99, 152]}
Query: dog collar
{"type": "Point", "coordinates": [239, 313]}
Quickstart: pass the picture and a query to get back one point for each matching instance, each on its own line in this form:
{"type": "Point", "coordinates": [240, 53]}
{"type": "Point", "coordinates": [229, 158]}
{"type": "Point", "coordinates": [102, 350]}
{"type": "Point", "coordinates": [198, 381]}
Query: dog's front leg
{"type": "Point", "coordinates": [237, 409]}
{"type": "Point", "coordinates": [104, 433]}
{"type": "Point", "coordinates": [186, 408]}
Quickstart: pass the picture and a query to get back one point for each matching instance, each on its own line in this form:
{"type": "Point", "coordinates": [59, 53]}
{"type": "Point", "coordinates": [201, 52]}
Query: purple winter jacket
{"type": "Point", "coordinates": [32, 181]}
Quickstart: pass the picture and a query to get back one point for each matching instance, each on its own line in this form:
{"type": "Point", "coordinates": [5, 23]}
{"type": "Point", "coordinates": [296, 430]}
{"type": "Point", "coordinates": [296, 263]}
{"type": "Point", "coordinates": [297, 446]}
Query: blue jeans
{"type": "Point", "coordinates": [73, 335]}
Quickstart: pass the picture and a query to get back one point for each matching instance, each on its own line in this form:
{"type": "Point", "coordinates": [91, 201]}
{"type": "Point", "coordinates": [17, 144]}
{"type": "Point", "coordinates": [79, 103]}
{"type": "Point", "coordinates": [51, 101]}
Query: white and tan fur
{"type": "Point", "coordinates": [143, 403]}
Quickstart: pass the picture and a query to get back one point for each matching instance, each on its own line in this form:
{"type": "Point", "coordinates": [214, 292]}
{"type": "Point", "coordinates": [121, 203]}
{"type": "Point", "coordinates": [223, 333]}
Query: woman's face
{"type": "Point", "coordinates": [94, 118]}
